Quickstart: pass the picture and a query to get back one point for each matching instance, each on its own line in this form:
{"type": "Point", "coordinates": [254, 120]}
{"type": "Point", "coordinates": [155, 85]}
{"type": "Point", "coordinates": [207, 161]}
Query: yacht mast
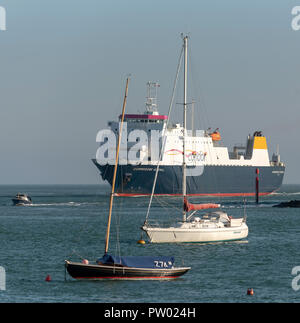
{"type": "Point", "coordinates": [112, 194]}
{"type": "Point", "coordinates": [185, 43]}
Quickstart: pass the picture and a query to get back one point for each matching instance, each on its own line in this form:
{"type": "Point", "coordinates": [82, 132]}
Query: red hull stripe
{"type": "Point", "coordinates": [137, 277]}
{"type": "Point", "coordinates": [201, 194]}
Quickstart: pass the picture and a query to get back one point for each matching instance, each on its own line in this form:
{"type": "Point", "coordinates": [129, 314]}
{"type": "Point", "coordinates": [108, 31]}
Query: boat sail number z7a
{"type": "Point", "coordinates": [212, 227]}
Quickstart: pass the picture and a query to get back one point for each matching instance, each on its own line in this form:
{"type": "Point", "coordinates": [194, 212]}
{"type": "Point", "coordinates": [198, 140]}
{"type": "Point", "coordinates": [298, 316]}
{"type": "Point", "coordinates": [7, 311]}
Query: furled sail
{"type": "Point", "coordinates": [194, 207]}
{"type": "Point", "coordinates": [137, 261]}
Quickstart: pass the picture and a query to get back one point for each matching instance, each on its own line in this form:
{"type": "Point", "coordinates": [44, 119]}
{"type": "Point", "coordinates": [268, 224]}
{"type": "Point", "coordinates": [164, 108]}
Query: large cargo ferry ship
{"type": "Point", "coordinates": [211, 168]}
{"type": "Point", "coordinates": [214, 169]}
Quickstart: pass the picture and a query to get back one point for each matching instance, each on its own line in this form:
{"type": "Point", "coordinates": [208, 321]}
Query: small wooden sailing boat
{"type": "Point", "coordinates": [111, 267]}
{"type": "Point", "coordinates": [212, 227]}
{"type": "Point", "coordinates": [131, 267]}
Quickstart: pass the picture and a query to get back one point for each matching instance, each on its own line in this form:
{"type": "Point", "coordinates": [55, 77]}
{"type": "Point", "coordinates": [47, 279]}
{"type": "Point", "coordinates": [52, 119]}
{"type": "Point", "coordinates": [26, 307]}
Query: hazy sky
{"type": "Point", "coordinates": [63, 65]}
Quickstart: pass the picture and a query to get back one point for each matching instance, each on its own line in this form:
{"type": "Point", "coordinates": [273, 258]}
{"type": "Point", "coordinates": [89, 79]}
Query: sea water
{"type": "Point", "coordinates": [69, 222]}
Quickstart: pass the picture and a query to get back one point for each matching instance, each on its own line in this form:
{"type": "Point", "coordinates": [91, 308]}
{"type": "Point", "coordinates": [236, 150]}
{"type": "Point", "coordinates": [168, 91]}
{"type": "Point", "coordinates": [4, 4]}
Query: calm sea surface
{"type": "Point", "coordinates": [69, 222]}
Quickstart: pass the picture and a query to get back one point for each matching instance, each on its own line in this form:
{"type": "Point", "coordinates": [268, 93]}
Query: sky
{"type": "Point", "coordinates": [63, 66]}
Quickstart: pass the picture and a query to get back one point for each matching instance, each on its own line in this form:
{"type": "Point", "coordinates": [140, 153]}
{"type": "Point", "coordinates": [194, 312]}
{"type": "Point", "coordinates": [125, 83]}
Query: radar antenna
{"type": "Point", "coordinates": [151, 102]}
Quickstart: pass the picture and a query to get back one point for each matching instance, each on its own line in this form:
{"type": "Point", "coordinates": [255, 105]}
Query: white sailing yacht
{"type": "Point", "coordinates": [210, 227]}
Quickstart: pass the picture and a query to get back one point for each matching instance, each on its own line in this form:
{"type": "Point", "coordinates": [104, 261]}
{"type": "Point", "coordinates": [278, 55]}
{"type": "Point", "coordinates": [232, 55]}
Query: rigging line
{"type": "Point", "coordinates": [202, 106]}
{"type": "Point", "coordinates": [74, 252]}
{"type": "Point", "coordinates": [118, 224]}
{"type": "Point", "coordinates": [200, 97]}
{"type": "Point", "coordinates": [169, 215]}
{"type": "Point", "coordinates": [167, 208]}
{"type": "Point", "coordinates": [164, 132]}
{"type": "Point", "coordinates": [83, 230]}
{"type": "Point", "coordinates": [166, 204]}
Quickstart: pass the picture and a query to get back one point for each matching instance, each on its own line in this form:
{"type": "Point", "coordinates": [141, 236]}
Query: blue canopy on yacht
{"type": "Point", "coordinates": [138, 261]}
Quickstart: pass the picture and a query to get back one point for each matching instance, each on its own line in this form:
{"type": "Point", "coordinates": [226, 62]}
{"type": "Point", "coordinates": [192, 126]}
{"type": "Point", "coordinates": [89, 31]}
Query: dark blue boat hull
{"type": "Point", "coordinates": [215, 180]}
{"type": "Point", "coordinates": [86, 271]}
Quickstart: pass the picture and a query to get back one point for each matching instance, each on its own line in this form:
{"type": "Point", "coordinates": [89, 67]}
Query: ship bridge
{"type": "Point", "coordinates": [148, 118]}
{"type": "Point", "coordinates": [151, 114]}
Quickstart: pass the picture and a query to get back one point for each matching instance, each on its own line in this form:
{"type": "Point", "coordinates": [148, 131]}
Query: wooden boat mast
{"type": "Point", "coordinates": [115, 170]}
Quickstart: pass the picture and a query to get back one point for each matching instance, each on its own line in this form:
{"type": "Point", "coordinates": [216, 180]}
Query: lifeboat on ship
{"type": "Point", "coordinates": [215, 136]}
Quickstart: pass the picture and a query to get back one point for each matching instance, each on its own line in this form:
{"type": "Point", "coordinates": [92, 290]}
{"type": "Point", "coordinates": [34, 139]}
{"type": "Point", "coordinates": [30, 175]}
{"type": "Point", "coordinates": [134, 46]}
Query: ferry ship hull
{"type": "Point", "coordinates": [134, 180]}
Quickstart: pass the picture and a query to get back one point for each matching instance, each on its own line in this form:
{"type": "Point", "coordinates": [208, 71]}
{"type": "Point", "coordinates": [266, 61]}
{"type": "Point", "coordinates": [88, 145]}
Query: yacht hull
{"type": "Point", "coordinates": [202, 235]}
{"type": "Point", "coordinates": [94, 272]}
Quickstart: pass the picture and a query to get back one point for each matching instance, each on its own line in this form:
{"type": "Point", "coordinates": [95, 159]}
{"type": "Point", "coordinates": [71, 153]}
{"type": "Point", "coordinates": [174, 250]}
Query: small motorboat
{"type": "Point", "coordinates": [22, 199]}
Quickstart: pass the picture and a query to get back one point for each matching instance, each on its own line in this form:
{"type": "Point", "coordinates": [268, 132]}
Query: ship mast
{"type": "Point", "coordinates": [185, 43]}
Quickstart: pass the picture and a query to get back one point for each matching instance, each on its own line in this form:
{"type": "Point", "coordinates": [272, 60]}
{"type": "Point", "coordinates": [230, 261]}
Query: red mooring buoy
{"type": "Point", "coordinates": [48, 278]}
{"type": "Point", "coordinates": [250, 291]}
